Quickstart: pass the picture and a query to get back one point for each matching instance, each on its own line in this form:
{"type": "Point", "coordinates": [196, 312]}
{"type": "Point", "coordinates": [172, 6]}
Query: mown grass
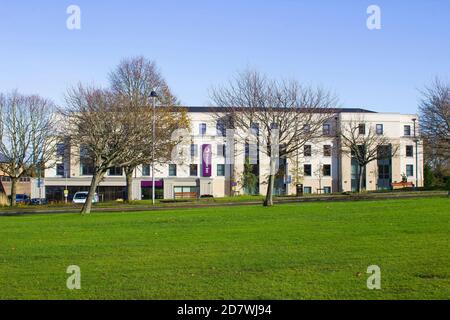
{"type": "Point", "coordinates": [295, 251]}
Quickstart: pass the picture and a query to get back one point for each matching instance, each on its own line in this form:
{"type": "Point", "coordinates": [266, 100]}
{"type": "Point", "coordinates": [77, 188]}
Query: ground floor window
{"type": "Point", "coordinates": [307, 190]}
{"type": "Point", "coordinates": [105, 193]}
{"type": "Point", "coordinates": [409, 170]}
{"type": "Point", "coordinates": [147, 193]}
{"type": "Point", "coordinates": [185, 192]}
{"type": "Point", "coordinates": [326, 189]}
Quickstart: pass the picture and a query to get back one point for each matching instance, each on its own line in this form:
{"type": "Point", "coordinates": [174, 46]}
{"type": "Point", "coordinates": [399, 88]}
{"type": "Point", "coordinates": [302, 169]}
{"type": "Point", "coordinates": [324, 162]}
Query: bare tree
{"type": "Point", "coordinates": [284, 114]}
{"type": "Point", "coordinates": [133, 81]}
{"type": "Point", "coordinates": [106, 130]}
{"type": "Point", "coordinates": [361, 141]}
{"type": "Point", "coordinates": [27, 136]}
{"type": "Point", "coordinates": [435, 124]}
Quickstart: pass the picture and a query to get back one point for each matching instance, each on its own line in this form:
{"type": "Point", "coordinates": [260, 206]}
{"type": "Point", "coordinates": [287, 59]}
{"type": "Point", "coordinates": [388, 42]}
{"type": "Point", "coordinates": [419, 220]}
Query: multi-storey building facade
{"type": "Point", "coordinates": [323, 166]}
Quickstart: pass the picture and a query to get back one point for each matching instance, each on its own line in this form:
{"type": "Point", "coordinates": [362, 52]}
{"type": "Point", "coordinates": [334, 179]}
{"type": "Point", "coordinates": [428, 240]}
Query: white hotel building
{"type": "Point", "coordinates": [324, 167]}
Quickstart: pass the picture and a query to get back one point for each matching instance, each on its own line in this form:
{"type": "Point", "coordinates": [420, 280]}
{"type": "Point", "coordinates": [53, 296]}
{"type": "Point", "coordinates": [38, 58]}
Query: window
{"type": "Point", "coordinates": [6, 179]}
{"type": "Point", "coordinates": [221, 150]}
{"type": "Point", "coordinates": [307, 151]}
{"type": "Point", "coordinates": [326, 129]}
{"type": "Point", "coordinates": [327, 170]}
{"type": "Point", "coordinates": [202, 129]}
{"type": "Point", "coordinates": [172, 170]}
{"type": "Point", "coordinates": [409, 151]}
{"type": "Point", "coordinates": [362, 128]}
{"type": "Point", "coordinates": [327, 151]}
{"type": "Point", "coordinates": [255, 128]}
{"type": "Point", "coordinates": [307, 190]}
{"type": "Point", "coordinates": [116, 171]}
{"type": "Point", "coordinates": [86, 167]}
{"type": "Point", "coordinates": [409, 170]}
{"type": "Point", "coordinates": [60, 149]}
{"type": "Point", "coordinates": [380, 129]}
{"type": "Point", "coordinates": [193, 170]}
{"type": "Point", "coordinates": [221, 128]}
{"type": "Point", "coordinates": [327, 190]}
{"type": "Point", "coordinates": [221, 170]}
{"type": "Point", "coordinates": [60, 170]}
{"type": "Point", "coordinates": [307, 170]}
{"type": "Point", "coordinates": [306, 128]}
{"type": "Point", "coordinates": [194, 150]}
{"type": "Point", "coordinates": [146, 170]}
{"type": "Point", "coordinates": [25, 179]}
{"type": "Point", "coordinates": [407, 131]}
{"type": "Point", "coordinates": [384, 171]}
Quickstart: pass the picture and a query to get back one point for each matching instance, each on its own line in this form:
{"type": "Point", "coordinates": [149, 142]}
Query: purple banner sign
{"type": "Point", "coordinates": [206, 160]}
{"type": "Point", "coordinates": [148, 184]}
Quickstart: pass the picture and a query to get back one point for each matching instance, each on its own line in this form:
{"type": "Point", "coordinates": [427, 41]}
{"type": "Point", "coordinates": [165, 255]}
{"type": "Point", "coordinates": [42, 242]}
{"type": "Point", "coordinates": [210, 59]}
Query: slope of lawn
{"type": "Point", "coordinates": [296, 251]}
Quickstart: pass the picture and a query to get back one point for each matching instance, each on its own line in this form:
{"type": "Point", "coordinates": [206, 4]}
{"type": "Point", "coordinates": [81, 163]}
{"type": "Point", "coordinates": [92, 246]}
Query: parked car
{"type": "Point", "coordinates": [22, 199]}
{"type": "Point", "coordinates": [38, 202]}
{"type": "Point", "coordinates": [80, 197]}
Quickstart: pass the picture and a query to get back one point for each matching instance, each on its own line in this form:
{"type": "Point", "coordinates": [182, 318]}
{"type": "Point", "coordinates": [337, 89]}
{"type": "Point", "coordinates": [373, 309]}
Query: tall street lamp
{"type": "Point", "coordinates": [416, 140]}
{"type": "Point", "coordinates": [154, 95]}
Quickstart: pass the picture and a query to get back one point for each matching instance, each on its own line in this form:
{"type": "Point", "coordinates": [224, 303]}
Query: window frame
{"type": "Point", "coordinates": [222, 171]}
{"type": "Point", "coordinates": [407, 131]}
{"type": "Point", "coordinates": [191, 166]}
{"type": "Point", "coordinates": [323, 170]}
{"type": "Point", "coordinates": [362, 128]}
{"type": "Point", "coordinates": [326, 132]}
{"type": "Point", "coordinates": [307, 165]}
{"type": "Point", "coordinates": [194, 150]}
{"type": "Point", "coordinates": [170, 169]}
{"type": "Point", "coordinates": [58, 166]}
{"type": "Point", "coordinates": [410, 174]}
{"type": "Point", "coordinates": [379, 129]}
{"type": "Point", "coordinates": [307, 147]}
{"type": "Point", "coordinates": [411, 148]}
{"type": "Point", "coordinates": [203, 128]}
{"type": "Point", "coordinates": [115, 174]}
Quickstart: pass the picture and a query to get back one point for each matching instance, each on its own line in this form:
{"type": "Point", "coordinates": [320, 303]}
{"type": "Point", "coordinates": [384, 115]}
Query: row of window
{"type": "Point", "coordinates": [325, 170]}
{"type": "Point", "coordinates": [307, 151]}
{"type": "Point", "coordinates": [21, 180]}
{"type": "Point", "coordinates": [325, 190]}
{"type": "Point", "coordinates": [380, 129]}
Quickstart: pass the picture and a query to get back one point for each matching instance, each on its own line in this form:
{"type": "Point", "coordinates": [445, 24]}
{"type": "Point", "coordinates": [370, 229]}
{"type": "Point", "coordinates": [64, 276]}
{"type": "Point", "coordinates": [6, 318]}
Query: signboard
{"type": "Point", "coordinates": [206, 160]}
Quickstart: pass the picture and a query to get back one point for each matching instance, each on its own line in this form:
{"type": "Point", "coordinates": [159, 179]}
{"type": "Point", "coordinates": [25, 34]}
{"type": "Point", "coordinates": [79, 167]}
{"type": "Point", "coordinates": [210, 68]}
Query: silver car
{"type": "Point", "coordinates": [80, 197]}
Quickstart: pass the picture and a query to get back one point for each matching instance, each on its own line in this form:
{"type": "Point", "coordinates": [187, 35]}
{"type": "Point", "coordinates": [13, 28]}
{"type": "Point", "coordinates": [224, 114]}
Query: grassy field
{"type": "Point", "coordinates": [295, 251]}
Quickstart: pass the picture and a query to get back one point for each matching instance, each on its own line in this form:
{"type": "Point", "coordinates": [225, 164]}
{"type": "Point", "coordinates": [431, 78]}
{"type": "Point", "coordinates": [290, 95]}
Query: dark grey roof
{"type": "Point", "coordinates": [216, 109]}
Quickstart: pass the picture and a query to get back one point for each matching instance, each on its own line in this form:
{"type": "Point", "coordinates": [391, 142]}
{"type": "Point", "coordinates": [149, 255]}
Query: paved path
{"type": "Point", "coordinates": [195, 205]}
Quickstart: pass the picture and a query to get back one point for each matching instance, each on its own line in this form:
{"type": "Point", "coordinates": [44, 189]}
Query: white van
{"type": "Point", "coordinates": [80, 197]}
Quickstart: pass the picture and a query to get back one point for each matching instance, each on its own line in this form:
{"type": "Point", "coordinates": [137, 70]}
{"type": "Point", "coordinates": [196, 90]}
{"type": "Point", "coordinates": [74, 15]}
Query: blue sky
{"type": "Point", "coordinates": [198, 44]}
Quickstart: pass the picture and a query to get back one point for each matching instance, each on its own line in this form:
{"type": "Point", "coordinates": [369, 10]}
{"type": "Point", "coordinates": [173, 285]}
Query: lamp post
{"type": "Point", "coordinates": [416, 140]}
{"type": "Point", "coordinates": [154, 95]}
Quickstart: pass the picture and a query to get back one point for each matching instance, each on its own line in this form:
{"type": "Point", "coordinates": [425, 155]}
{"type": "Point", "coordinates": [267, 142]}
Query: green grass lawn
{"type": "Point", "coordinates": [292, 251]}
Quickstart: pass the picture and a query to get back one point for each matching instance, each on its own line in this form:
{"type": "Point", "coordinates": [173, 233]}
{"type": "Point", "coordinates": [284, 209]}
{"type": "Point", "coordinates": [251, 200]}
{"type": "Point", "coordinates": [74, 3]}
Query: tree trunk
{"type": "Point", "coordinates": [129, 177]}
{"type": "Point", "coordinates": [268, 202]}
{"type": "Point", "coordinates": [96, 178]}
{"type": "Point", "coordinates": [13, 191]}
{"type": "Point", "coordinates": [361, 179]}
